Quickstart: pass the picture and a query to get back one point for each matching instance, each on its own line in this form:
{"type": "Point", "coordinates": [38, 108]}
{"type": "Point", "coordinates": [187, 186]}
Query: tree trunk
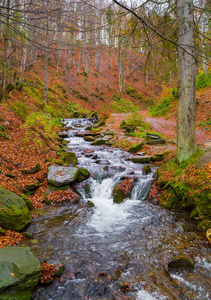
{"type": "Point", "coordinates": [186, 102]}
{"type": "Point", "coordinates": [6, 37]}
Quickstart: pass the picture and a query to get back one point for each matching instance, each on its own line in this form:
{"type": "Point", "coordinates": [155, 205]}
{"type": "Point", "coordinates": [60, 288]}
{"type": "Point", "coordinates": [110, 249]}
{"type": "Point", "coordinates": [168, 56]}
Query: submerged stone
{"type": "Point", "coordinates": [14, 213]}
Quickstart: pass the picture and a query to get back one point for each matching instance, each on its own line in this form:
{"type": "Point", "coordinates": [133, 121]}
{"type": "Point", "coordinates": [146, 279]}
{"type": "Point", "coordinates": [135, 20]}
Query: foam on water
{"type": "Point", "coordinates": [144, 295]}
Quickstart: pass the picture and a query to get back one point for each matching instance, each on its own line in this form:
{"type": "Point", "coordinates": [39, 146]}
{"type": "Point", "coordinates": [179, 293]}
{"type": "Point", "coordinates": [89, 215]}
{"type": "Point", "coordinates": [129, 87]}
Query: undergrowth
{"type": "Point", "coordinates": [161, 108]}
{"type": "Point", "coordinates": [203, 80]}
{"type": "Point", "coordinates": [123, 105]}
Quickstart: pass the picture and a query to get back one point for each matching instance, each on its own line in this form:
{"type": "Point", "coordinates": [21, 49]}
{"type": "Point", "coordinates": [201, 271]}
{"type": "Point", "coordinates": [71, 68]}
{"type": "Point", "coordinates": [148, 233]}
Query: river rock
{"type": "Point", "coordinates": [154, 139]}
{"type": "Point", "coordinates": [124, 189]}
{"type": "Point", "coordinates": [146, 170]}
{"type": "Point", "coordinates": [83, 174]}
{"type": "Point", "coordinates": [89, 138]}
{"type": "Point", "coordinates": [60, 176]}
{"type": "Point", "coordinates": [20, 272]}
{"type": "Point", "coordinates": [180, 262]}
{"type": "Point", "coordinates": [70, 158]}
{"type": "Point", "coordinates": [14, 213]}
{"type": "Point", "coordinates": [136, 148]}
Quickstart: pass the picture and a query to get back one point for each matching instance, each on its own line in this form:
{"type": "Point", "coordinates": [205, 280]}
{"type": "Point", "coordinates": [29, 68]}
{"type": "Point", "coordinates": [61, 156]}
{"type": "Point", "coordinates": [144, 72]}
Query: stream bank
{"type": "Point", "coordinates": [118, 251]}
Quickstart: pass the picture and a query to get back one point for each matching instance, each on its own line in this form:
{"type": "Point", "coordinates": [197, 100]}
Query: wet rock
{"type": "Point", "coordinates": [180, 262]}
{"type": "Point", "coordinates": [63, 134]}
{"type": "Point", "coordinates": [14, 213]}
{"type": "Point", "coordinates": [89, 138]}
{"type": "Point", "coordinates": [90, 203]}
{"type": "Point", "coordinates": [208, 235]}
{"type": "Point", "coordinates": [98, 290]}
{"type": "Point", "coordinates": [70, 158]}
{"type": "Point", "coordinates": [154, 139]}
{"type": "Point", "coordinates": [83, 174]}
{"type": "Point", "coordinates": [20, 271]}
{"type": "Point", "coordinates": [141, 160]}
{"type": "Point", "coordinates": [136, 148]}
{"type": "Point", "coordinates": [60, 176]}
{"type": "Point", "coordinates": [146, 170]}
{"type": "Point", "coordinates": [123, 190]}
{"type": "Point", "coordinates": [116, 275]}
{"type": "Point", "coordinates": [204, 225]}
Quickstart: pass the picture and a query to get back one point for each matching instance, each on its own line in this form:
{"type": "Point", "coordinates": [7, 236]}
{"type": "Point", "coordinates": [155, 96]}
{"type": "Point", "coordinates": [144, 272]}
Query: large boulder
{"type": "Point", "coordinates": [20, 272]}
{"type": "Point", "coordinates": [14, 213]}
{"type": "Point", "coordinates": [60, 176]}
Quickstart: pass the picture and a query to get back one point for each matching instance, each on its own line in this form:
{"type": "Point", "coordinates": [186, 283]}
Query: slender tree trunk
{"type": "Point", "coordinates": [186, 102]}
{"type": "Point", "coordinates": [204, 50]}
{"type": "Point", "coordinates": [6, 43]}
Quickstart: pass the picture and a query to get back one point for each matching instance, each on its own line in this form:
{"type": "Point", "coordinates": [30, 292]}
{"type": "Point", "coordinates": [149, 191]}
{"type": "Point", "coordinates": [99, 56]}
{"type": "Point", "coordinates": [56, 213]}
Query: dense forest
{"type": "Point", "coordinates": [103, 105]}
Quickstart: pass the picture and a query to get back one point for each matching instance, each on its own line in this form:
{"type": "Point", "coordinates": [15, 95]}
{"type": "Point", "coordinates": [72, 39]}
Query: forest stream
{"type": "Point", "coordinates": [117, 251]}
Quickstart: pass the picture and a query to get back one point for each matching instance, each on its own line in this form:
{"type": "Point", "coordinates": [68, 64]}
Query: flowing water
{"type": "Point", "coordinates": [118, 251]}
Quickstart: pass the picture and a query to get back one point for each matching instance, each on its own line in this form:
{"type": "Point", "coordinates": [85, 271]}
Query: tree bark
{"type": "Point", "coordinates": [186, 102]}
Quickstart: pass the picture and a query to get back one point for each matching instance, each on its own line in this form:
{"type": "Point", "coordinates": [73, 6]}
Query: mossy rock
{"type": "Point", "coordinates": [83, 174]}
{"type": "Point", "coordinates": [204, 225]}
{"type": "Point", "coordinates": [168, 199]}
{"type": "Point", "coordinates": [141, 159]}
{"type": "Point", "coordinates": [14, 214]}
{"type": "Point", "coordinates": [89, 138]}
{"type": "Point", "coordinates": [24, 266]}
{"type": "Point", "coordinates": [154, 139]}
{"type": "Point", "coordinates": [52, 188]}
{"type": "Point", "coordinates": [13, 295]}
{"type": "Point", "coordinates": [208, 235]}
{"type": "Point", "coordinates": [70, 158]}
{"type": "Point", "coordinates": [146, 170]}
{"type": "Point", "coordinates": [180, 263]}
{"type": "Point", "coordinates": [136, 148]}
{"type": "Point", "coordinates": [27, 201]}
{"type": "Point", "coordinates": [32, 170]}
{"type": "Point", "coordinates": [158, 157]}
{"type": "Point", "coordinates": [123, 190]}
{"type": "Point", "coordinates": [87, 191]}
{"type": "Point", "coordinates": [98, 142]}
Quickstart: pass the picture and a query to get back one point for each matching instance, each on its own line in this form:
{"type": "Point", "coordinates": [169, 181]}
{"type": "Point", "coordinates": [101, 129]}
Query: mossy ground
{"type": "Point", "coordinates": [187, 186]}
